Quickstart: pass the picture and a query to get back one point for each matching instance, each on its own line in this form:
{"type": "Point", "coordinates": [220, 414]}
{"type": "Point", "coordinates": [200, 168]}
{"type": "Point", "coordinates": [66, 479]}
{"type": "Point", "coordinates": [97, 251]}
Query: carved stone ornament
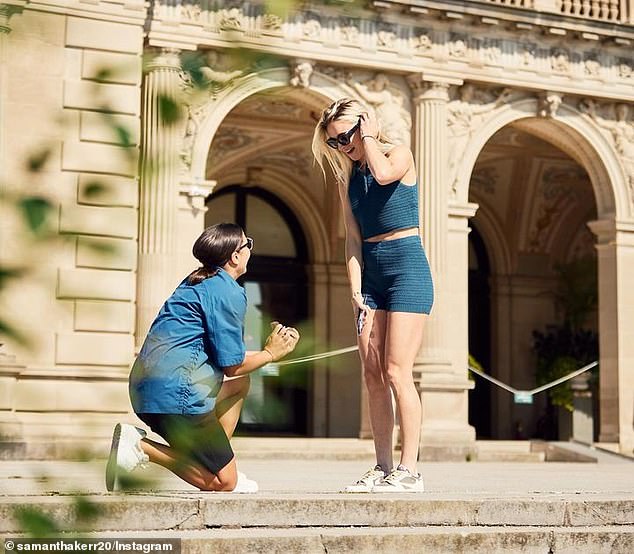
{"type": "Point", "coordinates": [591, 65]}
{"type": "Point", "coordinates": [386, 39]}
{"type": "Point", "coordinates": [422, 42]}
{"type": "Point", "coordinates": [625, 68]}
{"type": "Point", "coordinates": [615, 119]}
{"type": "Point", "coordinates": [548, 104]}
{"type": "Point", "coordinates": [312, 28]}
{"type": "Point", "coordinates": [301, 73]}
{"type": "Point", "coordinates": [464, 113]}
{"type": "Point", "coordinates": [458, 48]}
{"type": "Point", "coordinates": [390, 105]}
{"type": "Point", "coordinates": [231, 19]}
{"type": "Point", "coordinates": [272, 22]}
{"type": "Point", "coordinates": [528, 51]}
{"type": "Point", "coordinates": [560, 60]}
{"type": "Point", "coordinates": [350, 33]}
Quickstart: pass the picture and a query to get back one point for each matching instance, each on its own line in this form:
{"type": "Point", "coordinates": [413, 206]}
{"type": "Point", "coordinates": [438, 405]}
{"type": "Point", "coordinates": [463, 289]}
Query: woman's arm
{"type": "Point", "coordinates": [251, 362]}
{"type": "Point", "coordinates": [279, 343]}
{"type": "Point", "coordinates": [354, 255]}
{"type": "Point", "coordinates": [397, 164]}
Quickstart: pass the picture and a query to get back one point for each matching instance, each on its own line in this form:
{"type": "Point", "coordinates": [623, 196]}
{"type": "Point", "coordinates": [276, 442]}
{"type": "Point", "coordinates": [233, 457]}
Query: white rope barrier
{"type": "Point", "coordinates": [525, 396]}
{"type": "Point", "coordinates": [319, 356]}
{"type": "Point", "coordinates": [521, 393]}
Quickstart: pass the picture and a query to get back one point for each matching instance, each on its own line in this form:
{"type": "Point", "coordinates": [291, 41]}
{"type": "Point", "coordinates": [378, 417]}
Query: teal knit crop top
{"type": "Point", "coordinates": [381, 208]}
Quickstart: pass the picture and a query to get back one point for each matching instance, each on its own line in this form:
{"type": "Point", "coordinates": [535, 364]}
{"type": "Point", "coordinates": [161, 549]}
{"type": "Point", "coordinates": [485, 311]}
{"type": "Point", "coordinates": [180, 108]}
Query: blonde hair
{"type": "Point", "coordinates": [344, 109]}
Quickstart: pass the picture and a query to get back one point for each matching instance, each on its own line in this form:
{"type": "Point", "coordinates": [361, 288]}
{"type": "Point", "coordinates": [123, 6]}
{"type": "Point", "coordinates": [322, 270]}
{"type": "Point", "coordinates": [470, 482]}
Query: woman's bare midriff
{"type": "Point", "coordinates": [393, 235]}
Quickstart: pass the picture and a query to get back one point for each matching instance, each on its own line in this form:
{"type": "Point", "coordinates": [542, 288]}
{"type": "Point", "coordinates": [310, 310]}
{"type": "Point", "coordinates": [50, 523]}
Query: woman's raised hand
{"type": "Point", "coordinates": [281, 341]}
{"type": "Point", "coordinates": [369, 126]}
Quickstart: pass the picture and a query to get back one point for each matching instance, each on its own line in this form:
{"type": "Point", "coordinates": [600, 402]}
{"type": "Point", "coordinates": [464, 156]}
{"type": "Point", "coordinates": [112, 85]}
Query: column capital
{"type": "Point", "coordinates": [7, 9]}
{"type": "Point", "coordinates": [427, 86]}
{"type": "Point", "coordinates": [194, 188]}
{"type": "Point", "coordinates": [604, 230]}
{"type": "Point", "coordinates": [166, 58]}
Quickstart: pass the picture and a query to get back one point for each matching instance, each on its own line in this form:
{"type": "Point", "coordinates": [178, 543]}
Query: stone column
{"type": "Point", "coordinates": [615, 257]}
{"type": "Point", "coordinates": [445, 432]}
{"type": "Point", "coordinates": [158, 192]}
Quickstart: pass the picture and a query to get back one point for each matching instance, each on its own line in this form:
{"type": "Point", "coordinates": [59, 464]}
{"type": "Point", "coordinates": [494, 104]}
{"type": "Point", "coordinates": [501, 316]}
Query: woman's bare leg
{"type": "Point", "coordinates": [371, 347]}
{"type": "Point", "coordinates": [229, 402]}
{"type": "Point", "coordinates": [192, 473]}
{"type": "Point", "coordinates": [404, 333]}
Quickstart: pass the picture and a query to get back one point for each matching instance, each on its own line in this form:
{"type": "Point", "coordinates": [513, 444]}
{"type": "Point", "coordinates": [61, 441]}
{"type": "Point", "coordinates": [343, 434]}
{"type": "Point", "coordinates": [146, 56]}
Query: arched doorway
{"type": "Point", "coordinates": [535, 203]}
{"type": "Point", "coordinates": [276, 286]}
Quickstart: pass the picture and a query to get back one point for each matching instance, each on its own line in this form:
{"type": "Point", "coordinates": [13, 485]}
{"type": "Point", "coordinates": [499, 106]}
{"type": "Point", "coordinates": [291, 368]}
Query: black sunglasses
{"type": "Point", "coordinates": [342, 138]}
{"type": "Point", "coordinates": [248, 244]}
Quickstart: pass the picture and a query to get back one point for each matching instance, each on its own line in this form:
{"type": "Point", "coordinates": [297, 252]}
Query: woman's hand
{"type": "Point", "coordinates": [281, 341]}
{"type": "Point", "coordinates": [361, 311]}
{"type": "Point", "coordinates": [369, 126]}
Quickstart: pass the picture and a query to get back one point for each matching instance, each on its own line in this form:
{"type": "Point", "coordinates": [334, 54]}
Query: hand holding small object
{"type": "Point", "coordinates": [281, 341]}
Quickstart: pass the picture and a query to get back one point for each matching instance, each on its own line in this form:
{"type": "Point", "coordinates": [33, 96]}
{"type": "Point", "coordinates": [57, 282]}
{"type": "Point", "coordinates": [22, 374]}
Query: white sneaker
{"type": "Point", "coordinates": [245, 485]}
{"type": "Point", "coordinates": [125, 453]}
{"type": "Point", "coordinates": [367, 481]}
{"type": "Point", "coordinates": [400, 479]}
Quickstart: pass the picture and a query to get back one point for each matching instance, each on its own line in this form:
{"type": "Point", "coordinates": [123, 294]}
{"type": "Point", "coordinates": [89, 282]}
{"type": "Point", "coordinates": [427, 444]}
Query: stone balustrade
{"type": "Point", "coordinates": [253, 17]}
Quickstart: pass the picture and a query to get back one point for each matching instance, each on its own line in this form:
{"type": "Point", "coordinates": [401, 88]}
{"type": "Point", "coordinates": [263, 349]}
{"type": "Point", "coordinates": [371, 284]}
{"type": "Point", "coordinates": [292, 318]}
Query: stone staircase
{"type": "Point", "coordinates": [492, 507]}
{"type": "Point", "coordinates": [279, 522]}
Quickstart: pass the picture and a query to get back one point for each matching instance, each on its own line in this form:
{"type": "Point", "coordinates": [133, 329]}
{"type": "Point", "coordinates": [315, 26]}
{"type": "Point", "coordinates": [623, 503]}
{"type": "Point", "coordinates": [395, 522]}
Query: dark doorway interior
{"type": "Point", "coordinates": [479, 333]}
{"type": "Point", "coordinates": [276, 287]}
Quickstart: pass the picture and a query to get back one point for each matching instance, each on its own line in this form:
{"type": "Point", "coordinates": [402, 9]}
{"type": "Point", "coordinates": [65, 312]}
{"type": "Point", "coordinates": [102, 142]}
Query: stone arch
{"type": "Point", "coordinates": [581, 139]}
{"type": "Point", "coordinates": [289, 191]}
{"type": "Point", "coordinates": [323, 89]}
{"type": "Point", "coordinates": [495, 240]}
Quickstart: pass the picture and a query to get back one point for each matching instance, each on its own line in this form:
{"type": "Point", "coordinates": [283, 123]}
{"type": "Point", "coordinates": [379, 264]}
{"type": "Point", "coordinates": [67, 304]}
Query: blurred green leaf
{"type": "Point", "coordinates": [85, 510]}
{"type": "Point", "coordinates": [169, 110]}
{"type": "Point", "coordinates": [6, 274]}
{"type": "Point", "coordinates": [35, 162]}
{"type": "Point", "coordinates": [123, 135]}
{"type": "Point", "coordinates": [104, 74]}
{"type": "Point", "coordinates": [100, 246]}
{"type": "Point", "coordinates": [280, 8]}
{"type": "Point", "coordinates": [35, 211]}
{"type": "Point", "coordinates": [7, 330]}
{"type": "Point", "coordinates": [35, 523]}
{"type": "Point", "coordinates": [192, 63]}
{"type": "Point", "coordinates": [95, 188]}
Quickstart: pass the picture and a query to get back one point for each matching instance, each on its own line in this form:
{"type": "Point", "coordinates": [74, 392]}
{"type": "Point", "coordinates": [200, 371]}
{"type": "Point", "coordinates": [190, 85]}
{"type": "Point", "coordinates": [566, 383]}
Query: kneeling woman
{"type": "Point", "coordinates": [190, 379]}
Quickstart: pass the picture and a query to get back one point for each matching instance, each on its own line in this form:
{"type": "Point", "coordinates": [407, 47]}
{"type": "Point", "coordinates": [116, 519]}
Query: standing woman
{"type": "Point", "coordinates": [190, 379]}
{"type": "Point", "coordinates": [390, 281]}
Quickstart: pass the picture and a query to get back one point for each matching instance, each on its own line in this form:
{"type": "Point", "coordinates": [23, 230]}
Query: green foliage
{"type": "Point", "coordinates": [36, 212]}
{"type": "Point", "coordinates": [35, 523]}
{"type": "Point", "coordinates": [567, 346]}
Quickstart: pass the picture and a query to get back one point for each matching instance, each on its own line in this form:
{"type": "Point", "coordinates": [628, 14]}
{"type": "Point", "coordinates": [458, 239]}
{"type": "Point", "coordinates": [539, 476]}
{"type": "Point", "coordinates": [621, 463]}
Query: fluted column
{"type": "Point", "coordinates": [615, 260]}
{"type": "Point", "coordinates": [158, 190]}
{"type": "Point", "coordinates": [445, 432]}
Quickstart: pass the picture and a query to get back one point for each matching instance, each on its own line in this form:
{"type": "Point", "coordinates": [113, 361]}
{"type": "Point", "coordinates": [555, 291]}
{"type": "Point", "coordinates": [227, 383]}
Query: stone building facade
{"type": "Point", "coordinates": [519, 114]}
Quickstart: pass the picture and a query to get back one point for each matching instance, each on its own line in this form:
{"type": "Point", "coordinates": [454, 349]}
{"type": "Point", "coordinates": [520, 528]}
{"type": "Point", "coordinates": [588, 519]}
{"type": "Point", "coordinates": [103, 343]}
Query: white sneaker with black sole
{"type": "Point", "coordinates": [367, 480]}
{"type": "Point", "coordinates": [126, 454]}
{"type": "Point", "coordinates": [400, 479]}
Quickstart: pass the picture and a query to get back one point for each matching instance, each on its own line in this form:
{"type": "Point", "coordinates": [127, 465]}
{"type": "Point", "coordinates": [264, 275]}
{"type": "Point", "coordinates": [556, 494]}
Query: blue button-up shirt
{"type": "Point", "coordinates": [198, 331]}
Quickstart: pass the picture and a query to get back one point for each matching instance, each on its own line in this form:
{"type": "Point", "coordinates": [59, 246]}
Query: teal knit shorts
{"type": "Point", "coordinates": [396, 276]}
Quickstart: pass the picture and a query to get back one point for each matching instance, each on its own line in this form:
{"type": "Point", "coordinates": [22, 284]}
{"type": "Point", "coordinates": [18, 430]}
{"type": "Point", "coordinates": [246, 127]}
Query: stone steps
{"type": "Point", "coordinates": [401, 540]}
{"type": "Point", "coordinates": [182, 510]}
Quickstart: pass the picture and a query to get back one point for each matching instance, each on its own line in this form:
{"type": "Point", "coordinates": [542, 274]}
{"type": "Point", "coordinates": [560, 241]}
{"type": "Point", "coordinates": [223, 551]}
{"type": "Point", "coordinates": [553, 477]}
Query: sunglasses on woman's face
{"type": "Point", "coordinates": [342, 138]}
{"type": "Point", "coordinates": [248, 244]}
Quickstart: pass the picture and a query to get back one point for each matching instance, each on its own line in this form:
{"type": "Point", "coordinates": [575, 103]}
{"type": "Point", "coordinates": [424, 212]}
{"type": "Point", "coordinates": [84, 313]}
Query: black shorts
{"type": "Point", "coordinates": [198, 437]}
